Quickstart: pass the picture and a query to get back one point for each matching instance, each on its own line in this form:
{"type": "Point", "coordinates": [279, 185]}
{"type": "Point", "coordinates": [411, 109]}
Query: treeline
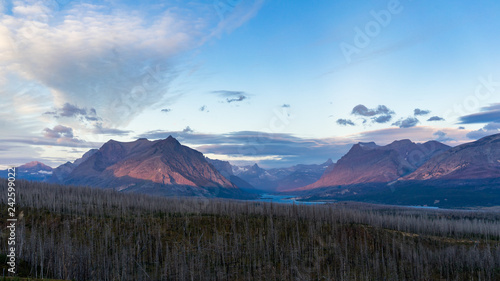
{"type": "Point", "coordinates": [92, 234]}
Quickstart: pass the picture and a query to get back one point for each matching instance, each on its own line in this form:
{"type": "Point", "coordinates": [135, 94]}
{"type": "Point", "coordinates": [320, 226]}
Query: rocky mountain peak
{"type": "Point", "coordinates": [163, 165]}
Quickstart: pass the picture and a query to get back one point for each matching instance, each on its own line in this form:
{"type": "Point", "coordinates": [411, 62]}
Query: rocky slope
{"type": "Point", "coordinates": [62, 172]}
{"type": "Point", "coordinates": [475, 160]}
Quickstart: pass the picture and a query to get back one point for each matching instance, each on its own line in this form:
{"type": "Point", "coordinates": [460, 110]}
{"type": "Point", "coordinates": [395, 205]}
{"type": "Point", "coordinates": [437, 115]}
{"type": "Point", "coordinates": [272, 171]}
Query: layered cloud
{"type": "Point", "coordinates": [279, 150]}
{"type": "Point", "coordinates": [248, 147]}
{"type": "Point", "coordinates": [490, 115]}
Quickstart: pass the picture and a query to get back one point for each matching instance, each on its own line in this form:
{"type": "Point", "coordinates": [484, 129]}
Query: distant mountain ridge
{"type": "Point", "coordinates": [278, 179]}
{"type": "Point", "coordinates": [33, 170]}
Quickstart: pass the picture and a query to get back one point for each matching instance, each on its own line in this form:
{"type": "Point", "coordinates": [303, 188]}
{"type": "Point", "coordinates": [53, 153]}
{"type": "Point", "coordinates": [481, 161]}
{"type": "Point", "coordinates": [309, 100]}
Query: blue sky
{"type": "Point", "coordinates": [272, 82]}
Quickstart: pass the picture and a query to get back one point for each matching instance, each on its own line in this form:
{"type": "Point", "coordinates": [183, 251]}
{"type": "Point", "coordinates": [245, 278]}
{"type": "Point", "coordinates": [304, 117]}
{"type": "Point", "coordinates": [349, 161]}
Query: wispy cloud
{"type": "Point", "coordinates": [345, 122]}
{"type": "Point", "coordinates": [72, 111]}
{"type": "Point", "coordinates": [226, 94]}
{"type": "Point", "coordinates": [232, 96]}
{"type": "Point", "coordinates": [239, 98]}
{"type": "Point", "coordinates": [99, 129]}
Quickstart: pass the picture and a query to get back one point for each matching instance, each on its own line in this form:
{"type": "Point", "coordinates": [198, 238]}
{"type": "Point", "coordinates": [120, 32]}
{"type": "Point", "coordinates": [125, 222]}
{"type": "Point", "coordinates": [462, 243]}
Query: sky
{"type": "Point", "coordinates": [276, 83]}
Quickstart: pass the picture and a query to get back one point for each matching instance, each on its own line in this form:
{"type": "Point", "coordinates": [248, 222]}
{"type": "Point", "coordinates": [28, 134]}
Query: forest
{"type": "Point", "coordinates": [81, 233]}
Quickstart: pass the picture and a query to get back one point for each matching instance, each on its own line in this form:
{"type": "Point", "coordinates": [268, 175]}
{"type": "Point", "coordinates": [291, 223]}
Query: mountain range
{"type": "Point", "coordinates": [467, 175]}
{"type": "Point", "coordinates": [406, 161]}
{"type": "Point", "coordinates": [165, 167]}
{"type": "Point", "coordinates": [368, 162]}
